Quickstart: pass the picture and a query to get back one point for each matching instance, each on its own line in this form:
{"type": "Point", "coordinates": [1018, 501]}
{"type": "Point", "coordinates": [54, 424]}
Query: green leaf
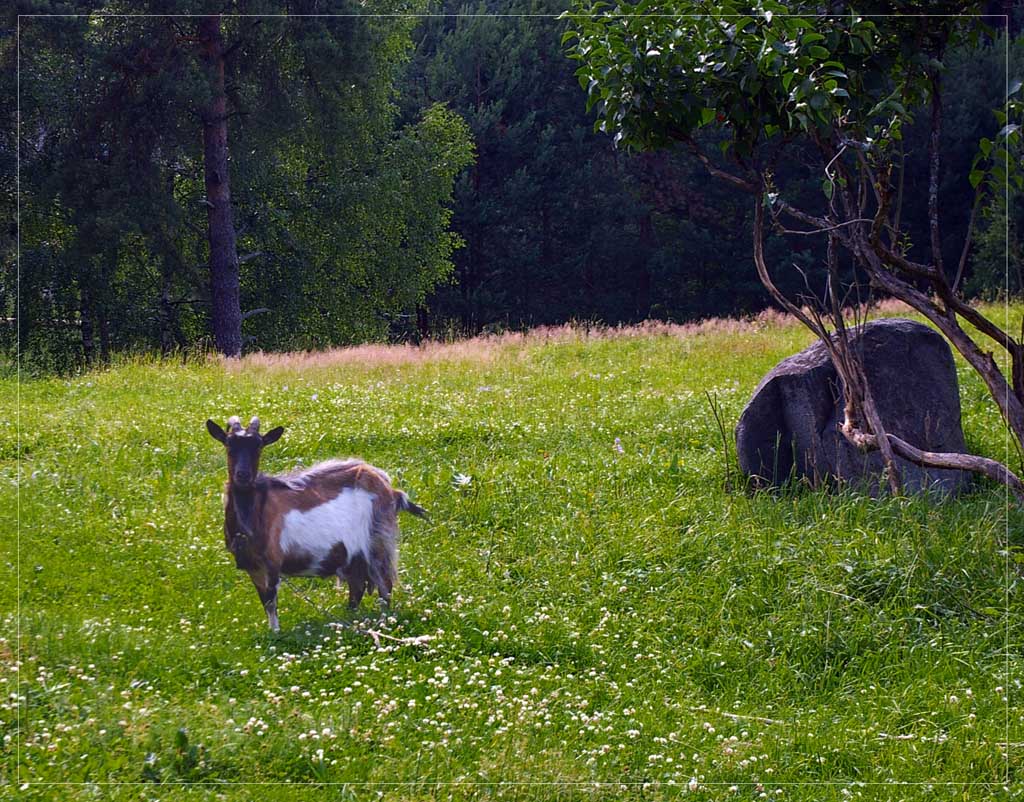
{"type": "Point", "coordinates": [828, 188]}
{"type": "Point", "coordinates": [818, 101]}
{"type": "Point", "coordinates": [819, 52]}
{"type": "Point", "coordinates": [976, 177]}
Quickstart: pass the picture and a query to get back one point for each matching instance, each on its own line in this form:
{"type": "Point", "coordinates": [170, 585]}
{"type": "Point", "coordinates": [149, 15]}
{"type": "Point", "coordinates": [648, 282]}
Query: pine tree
{"type": "Point", "coordinates": [186, 173]}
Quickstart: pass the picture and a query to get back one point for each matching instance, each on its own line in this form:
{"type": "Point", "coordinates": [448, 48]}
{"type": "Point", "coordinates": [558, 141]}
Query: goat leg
{"type": "Point", "coordinates": [266, 583]}
{"type": "Point", "coordinates": [357, 577]}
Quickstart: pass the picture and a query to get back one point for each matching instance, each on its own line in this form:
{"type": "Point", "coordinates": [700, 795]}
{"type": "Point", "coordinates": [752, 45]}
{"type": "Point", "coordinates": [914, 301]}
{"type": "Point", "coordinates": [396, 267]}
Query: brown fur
{"type": "Point", "coordinates": [254, 518]}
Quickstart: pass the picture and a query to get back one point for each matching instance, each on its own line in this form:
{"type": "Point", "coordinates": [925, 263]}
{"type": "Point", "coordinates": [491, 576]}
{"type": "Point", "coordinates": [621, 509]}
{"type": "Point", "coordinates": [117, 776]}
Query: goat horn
{"type": "Point", "coordinates": [234, 424]}
{"type": "Point", "coordinates": [254, 425]}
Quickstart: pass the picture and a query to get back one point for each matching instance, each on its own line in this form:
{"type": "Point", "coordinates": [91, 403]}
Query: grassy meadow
{"type": "Point", "coordinates": [590, 613]}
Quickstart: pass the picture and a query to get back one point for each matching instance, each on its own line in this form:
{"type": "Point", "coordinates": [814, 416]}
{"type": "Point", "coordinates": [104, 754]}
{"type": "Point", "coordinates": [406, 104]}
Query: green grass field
{"type": "Point", "coordinates": [592, 623]}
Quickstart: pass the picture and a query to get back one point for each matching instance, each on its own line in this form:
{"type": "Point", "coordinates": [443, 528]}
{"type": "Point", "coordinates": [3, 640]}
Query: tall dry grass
{"type": "Point", "coordinates": [486, 347]}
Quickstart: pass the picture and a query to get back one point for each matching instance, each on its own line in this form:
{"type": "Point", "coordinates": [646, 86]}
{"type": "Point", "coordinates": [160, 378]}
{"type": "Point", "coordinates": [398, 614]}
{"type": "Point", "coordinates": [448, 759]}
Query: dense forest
{"type": "Point", "coordinates": [430, 173]}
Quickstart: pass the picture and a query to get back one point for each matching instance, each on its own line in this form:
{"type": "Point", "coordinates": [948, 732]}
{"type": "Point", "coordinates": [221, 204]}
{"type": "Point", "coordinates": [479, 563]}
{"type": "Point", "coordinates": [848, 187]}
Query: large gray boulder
{"type": "Point", "coordinates": [790, 428]}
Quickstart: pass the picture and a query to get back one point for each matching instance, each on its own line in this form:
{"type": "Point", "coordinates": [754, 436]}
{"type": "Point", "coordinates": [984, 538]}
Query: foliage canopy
{"type": "Point", "coordinates": [844, 87]}
{"type": "Point", "coordinates": [342, 214]}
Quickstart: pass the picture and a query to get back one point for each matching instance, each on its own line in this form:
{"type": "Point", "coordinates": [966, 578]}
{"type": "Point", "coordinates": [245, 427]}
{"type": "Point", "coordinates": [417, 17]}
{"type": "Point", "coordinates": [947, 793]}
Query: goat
{"type": "Point", "coordinates": [338, 518]}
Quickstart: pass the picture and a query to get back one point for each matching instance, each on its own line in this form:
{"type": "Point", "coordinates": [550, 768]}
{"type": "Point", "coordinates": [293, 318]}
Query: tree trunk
{"type": "Point", "coordinates": [166, 313]}
{"type": "Point", "coordinates": [642, 295]}
{"type": "Point", "coordinates": [104, 327]}
{"type": "Point", "coordinates": [86, 323]}
{"type": "Point", "coordinates": [224, 284]}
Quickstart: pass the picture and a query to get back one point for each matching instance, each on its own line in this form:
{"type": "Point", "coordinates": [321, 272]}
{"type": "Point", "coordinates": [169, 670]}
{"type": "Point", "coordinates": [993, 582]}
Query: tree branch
{"type": "Point", "coordinates": [766, 279]}
{"type": "Point", "coordinates": [724, 175]}
{"type": "Point", "coordinates": [1009, 403]}
{"type": "Point", "coordinates": [827, 229]}
{"type": "Point", "coordinates": [967, 241]}
{"type": "Point", "coordinates": [819, 223]}
{"type": "Point", "coordinates": [949, 461]}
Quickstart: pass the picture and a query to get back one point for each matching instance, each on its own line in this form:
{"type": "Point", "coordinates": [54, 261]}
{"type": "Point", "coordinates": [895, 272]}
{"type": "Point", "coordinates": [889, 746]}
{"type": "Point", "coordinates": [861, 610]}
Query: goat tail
{"type": "Point", "coordinates": [405, 505]}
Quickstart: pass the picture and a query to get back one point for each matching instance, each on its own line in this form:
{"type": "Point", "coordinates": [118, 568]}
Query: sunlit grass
{"type": "Point", "coordinates": [593, 613]}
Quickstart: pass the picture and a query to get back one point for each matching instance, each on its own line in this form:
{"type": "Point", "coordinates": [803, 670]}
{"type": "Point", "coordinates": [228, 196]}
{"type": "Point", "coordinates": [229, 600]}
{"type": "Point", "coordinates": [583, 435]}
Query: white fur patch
{"type": "Point", "coordinates": [346, 518]}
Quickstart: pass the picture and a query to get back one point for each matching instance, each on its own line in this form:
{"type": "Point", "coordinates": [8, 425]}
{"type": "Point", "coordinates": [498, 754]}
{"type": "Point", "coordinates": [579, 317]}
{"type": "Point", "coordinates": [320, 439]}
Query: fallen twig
{"type": "Point", "coordinates": [411, 640]}
{"type": "Point", "coordinates": [737, 716]}
{"type": "Point", "coordinates": [376, 635]}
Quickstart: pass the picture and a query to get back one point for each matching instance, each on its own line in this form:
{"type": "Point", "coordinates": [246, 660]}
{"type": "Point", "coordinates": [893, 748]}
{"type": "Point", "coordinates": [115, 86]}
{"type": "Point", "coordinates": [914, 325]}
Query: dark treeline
{"type": "Point", "coordinates": [561, 225]}
{"type": "Point", "coordinates": [390, 178]}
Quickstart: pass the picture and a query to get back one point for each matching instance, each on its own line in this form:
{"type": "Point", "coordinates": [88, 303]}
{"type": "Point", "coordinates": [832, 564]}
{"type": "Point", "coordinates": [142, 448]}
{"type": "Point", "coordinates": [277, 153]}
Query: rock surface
{"type": "Point", "coordinates": [790, 427]}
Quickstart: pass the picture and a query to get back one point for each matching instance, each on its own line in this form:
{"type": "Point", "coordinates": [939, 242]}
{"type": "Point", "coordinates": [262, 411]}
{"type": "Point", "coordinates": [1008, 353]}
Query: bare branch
{"type": "Point", "coordinates": [766, 279]}
{"type": "Point", "coordinates": [1009, 402]}
{"type": "Point", "coordinates": [967, 241]}
{"type": "Point", "coordinates": [949, 461]}
{"type": "Point", "coordinates": [842, 187]}
{"type": "Point", "coordinates": [827, 229]}
{"type": "Point", "coordinates": [907, 265]}
{"type": "Point", "coordinates": [819, 223]}
{"type": "Point", "coordinates": [887, 255]}
{"type": "Point", "coordinates": [724, 175]}
{"type": "Point", "coordinates": [859, 401]}
{"type": "Point", "coordinates": [899, 198]}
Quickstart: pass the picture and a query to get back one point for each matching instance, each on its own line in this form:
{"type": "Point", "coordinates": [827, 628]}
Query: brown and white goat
{"type": "Point", "coordinates": [338, 518]}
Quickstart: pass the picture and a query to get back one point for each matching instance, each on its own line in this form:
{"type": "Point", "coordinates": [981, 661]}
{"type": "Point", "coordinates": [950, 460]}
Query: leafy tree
{"type": "Point", "coordinates": [845, 88]}
{"type": "Point", "coordinates": [996, 262]}
{"type": "Point", "coordinates": [561, 225]}
{"type": "Point", "coordinates": [8, 169]}
{"type": "Point", "coordinates": [998, 256]}
{"type": "Point", "coordinates": [305, 217]}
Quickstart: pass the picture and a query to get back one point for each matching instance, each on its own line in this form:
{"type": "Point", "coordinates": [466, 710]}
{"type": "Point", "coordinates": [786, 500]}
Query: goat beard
{"type": "Point", "coordinates": [244, 503]}
{"type": "Point", "coordinates": [244, 559]}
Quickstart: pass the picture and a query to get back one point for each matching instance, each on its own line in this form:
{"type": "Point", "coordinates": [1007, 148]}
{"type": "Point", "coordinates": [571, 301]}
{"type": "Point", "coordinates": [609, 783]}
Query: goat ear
{"type": "Point", "coordinates": [273, 435]}
{"type": "Point", "coordinates": [216, 432]}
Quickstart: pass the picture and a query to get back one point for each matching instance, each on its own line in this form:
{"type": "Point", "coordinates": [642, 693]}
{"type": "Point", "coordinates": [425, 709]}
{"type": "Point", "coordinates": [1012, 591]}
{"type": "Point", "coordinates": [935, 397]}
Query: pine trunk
{"type": "Point", "coordinates": [86, 325]}
{"type": "Point", "coordinates": [224, 284]}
